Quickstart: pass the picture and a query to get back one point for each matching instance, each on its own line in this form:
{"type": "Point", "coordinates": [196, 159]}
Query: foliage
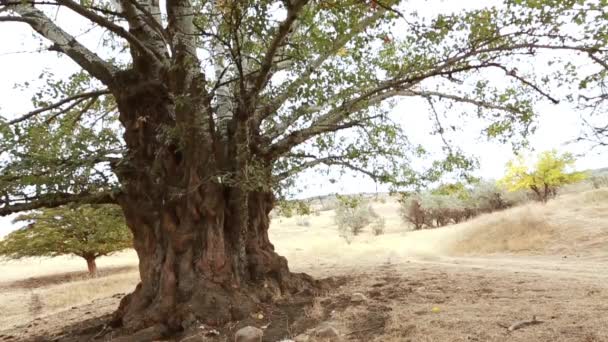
{"type": "Point", "coordinates": [486, 196]}
{"type": "Point", "coordinates": [448, 204]}
{"type": "Point", "coordinates": [378, 226]}
{"type": "Point", "coordinates": [303, 208]}
{"type": "Point", "coordinates": [411, 211]}
{"type": "Point", "coordinates": [285, 208]}
{"type": "Point", "coordinates": [86, 231]}
{"type": "Point", "coordinates": [598, 181]}
{"type": "Point", "coordinates": [549, 173]}
{"type": "Point", "coordinates": [352, 215]}
{"type": "Point", "coordinates": [328, 74]}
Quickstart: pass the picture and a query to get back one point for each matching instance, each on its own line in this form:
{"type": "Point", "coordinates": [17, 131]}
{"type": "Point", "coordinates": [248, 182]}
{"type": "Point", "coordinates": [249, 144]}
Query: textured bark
{"type": "Point", "coordinates": [202, 240]}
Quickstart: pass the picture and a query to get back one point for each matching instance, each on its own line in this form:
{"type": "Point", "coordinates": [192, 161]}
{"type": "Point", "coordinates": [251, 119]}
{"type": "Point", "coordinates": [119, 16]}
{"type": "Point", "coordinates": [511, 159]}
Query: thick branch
{"type": "Point", "coordinates": [63, 42]}
{"type": "Point", "coordinates": [103, 22]}
{"type": "Point", "coordinates": [282, 32]}
{"type": "Point", "coordinates": [58, 199]}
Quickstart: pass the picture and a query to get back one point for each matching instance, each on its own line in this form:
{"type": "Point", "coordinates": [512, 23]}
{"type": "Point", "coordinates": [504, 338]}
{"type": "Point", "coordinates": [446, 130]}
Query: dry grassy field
{"type": "Point", "coordinates": [465, 282]}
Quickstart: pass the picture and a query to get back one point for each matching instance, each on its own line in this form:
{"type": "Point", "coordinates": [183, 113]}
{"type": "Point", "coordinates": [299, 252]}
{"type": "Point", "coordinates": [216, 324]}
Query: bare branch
{"type": "Point", "coordinates": [78, 97]}
{"type": "Point", "coordinates": [118, 30]}
{"type": "Point", "coordinates": [63, 42]}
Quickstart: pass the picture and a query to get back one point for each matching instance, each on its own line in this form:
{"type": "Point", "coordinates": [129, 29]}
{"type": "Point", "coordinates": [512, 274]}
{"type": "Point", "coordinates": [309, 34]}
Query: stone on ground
{"type": "Point", "coordinates": [249, 334]}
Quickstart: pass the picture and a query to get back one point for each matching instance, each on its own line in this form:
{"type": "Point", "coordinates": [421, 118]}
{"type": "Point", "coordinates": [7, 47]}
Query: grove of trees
{"type": "Point", "coordinates": [196, 115]}
{"type": "Point", "coordinates": [87, 231]}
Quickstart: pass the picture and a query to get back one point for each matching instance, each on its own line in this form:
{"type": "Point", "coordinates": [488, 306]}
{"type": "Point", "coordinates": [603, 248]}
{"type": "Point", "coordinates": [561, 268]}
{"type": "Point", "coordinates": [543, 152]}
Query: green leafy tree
{"type": "Point", "coordinates": [193, 117]}
{"type": "Point", "coordinates": [549, 173]}
{"type": "Point", "coordinates": [87, 231]}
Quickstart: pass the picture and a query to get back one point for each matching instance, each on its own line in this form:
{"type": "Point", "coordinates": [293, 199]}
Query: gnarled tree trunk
{"type": "Point", "coordinates": [199, 221]}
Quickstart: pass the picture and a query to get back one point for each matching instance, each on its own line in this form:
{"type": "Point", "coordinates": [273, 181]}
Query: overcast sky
{"type": "Point", "coordinates": [558, 124]}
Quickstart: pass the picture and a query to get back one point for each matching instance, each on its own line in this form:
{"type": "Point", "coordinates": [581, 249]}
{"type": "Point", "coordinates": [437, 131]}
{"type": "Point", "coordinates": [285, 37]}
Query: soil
{"type": "Point", "coordinates": [434, 299]}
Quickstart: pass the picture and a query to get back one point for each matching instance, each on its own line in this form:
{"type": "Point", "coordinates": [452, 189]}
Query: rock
{"type": "Point", "coordinates": [301, 338]}
{"type": "Point", "coordinates": [328, 332]}
{"type": "Point", "coordinates": [358, 297]}
{"type": "Point", "coordinates": [249, 334]}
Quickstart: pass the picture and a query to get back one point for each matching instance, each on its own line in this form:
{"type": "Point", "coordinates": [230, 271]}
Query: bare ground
{"type": "Point", "coordinates": [440, 285]}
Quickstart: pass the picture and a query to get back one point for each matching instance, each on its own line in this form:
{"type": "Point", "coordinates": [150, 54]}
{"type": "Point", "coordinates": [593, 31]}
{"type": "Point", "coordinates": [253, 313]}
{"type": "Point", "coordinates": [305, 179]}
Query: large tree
{"type": "Point", "coordinates": [220, 104]}
{"type": "Point", "coordinates": [85, 231]}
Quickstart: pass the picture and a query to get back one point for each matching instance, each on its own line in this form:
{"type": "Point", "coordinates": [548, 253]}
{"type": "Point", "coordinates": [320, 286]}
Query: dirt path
{"type": "Point", "coordinates": [551, 266]}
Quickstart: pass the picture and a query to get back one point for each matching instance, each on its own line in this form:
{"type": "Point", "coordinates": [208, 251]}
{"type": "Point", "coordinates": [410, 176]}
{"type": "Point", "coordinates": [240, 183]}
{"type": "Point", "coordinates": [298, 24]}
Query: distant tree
{"type": "Point", "coordinates": [549, 173]}
{"type": "Point", "coordinates": [303, 208]}
{"type": "Point", "coordinates": [86, 231]}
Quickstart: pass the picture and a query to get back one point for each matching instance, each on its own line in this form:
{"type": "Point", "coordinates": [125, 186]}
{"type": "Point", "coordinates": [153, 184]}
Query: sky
{"type": "Point", "coordinates": [558, 124]}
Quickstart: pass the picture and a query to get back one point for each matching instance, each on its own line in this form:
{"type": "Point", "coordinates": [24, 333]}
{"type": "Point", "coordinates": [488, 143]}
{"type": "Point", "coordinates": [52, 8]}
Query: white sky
{"type": "Point", "coordinates": [558, 124]}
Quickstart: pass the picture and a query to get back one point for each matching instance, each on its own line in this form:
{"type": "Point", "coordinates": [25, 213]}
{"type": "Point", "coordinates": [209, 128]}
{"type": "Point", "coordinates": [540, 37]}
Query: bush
{"type": "Point", "coordinates": [599, 181]}
{"type": "Point", "coordinates": [285, 209]}
{"type": "Point", "coordinates": [487, 196]}
{"type": "Point", "coordinates": [303, 221]}
{"type": "Point", "coordinates": [302, 208]}
{"type": "Point", "coordinates": [328, 204]}
{"type": "Point", "coordinates": [411, 211]}
{"type": "Point", "coordinates": [352, 215]}
{"type": "Point", "coordinates": [378, 226]}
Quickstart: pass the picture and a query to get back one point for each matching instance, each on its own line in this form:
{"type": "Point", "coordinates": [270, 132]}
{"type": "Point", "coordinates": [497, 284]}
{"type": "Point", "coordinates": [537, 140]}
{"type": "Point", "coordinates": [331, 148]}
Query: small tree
{"type": "Point", "coordinates": [352, 215]}
{"type": "Point", "coordinates": [549, 173]}
{"type": "Point", "coordinates": [88, 232]}
{"type": "Point", "coordinates": [411, 211]}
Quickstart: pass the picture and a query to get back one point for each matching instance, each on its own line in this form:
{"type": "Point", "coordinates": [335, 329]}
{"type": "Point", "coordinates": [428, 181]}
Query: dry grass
{"type": "Point", "coordinates": [524, 229]}
{"type": "Point", "coordinates": [23, 305]}
{"type": "Point", "coordinates": [572, 224]}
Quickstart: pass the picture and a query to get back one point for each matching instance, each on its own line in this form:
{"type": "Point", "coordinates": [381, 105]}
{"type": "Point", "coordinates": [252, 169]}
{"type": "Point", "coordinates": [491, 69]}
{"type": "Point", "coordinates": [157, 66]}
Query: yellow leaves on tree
{"type": "Point", "coordinates": [549, 173]}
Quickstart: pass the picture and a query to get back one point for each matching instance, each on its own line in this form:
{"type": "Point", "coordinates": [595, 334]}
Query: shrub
{"type": "Point", "coordinates": [302, 208]}
{"type": "Point", "coordinates": [487, 196]}
{"type": "Point", "coordinates": [378, 226]}
{"type": "Point", "coordinates": [285, 209]}
{"type": "Point", "coordinates": [352, 215]}
{"type": "Point", "coordinates": [411, 211]}
{"type": "Point", "coordinates": [303, 221]}
{"type": "Point", "coordinates": [328, 204]}
{"type": "Point", "coordinates": [599, 181]}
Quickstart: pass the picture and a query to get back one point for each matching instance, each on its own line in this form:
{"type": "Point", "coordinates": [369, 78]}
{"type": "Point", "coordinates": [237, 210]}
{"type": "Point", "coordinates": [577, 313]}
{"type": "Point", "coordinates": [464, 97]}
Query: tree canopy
{"type": "Point", "coordinates": [315, 70]}
{"type": "Point", "coordinates": [551, 171]}
{"type": "Point", "coordinates": [88, 232]}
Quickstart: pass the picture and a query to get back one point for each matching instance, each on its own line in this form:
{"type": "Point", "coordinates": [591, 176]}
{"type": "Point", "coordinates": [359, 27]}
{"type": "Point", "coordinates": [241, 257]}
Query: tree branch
{"type": "Point", "coordinates": [339, 43]}
{"type": "Point", "coordinates": [118, 30]}
{"type": "Point", "coordinates": [78, 97]}
{"type": "Point", "coordinates": [282, 32]}
{"type": "Point", "coordinates": [58, 199]}
{"type": "Point", "coordinates": [63, 41]}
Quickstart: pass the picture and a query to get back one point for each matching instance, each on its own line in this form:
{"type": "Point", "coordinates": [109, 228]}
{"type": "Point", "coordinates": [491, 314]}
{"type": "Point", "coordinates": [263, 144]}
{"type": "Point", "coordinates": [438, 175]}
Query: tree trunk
{"type": "Point", "coordinates": [195, 267]}
{"type": "Point", "coordinates": [92, 266]}
{"type": "Point", "coordinates": [199, 220]}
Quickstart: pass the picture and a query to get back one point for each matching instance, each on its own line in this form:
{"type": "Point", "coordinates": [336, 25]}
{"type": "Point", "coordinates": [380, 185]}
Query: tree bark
{"type": "Point", "coordinates": [91, 266]}
{"type": "Point", "coordinates": [194, 268]}
{"type": "Point", "coordinates": [199, 227]}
